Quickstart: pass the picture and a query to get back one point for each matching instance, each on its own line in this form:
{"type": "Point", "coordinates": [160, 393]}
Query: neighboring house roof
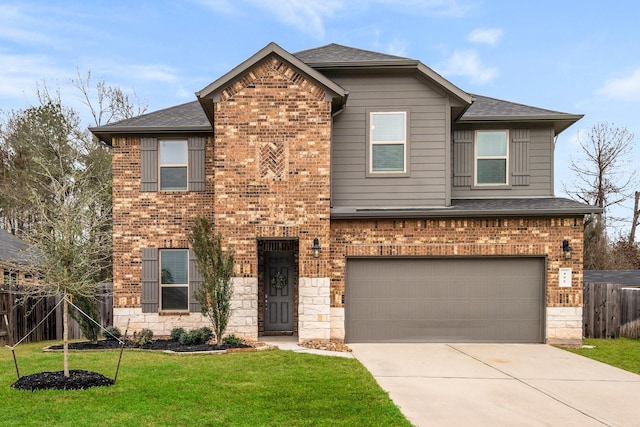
{"type": "Point", "coordinates": [620, 277]}
{"type": "Point", "coordinates": [556, 206]}
{"type": "Point", "coordinates": [209, 94]}
{"type": "Point", "coordinates": [14, 250]}
{"type": "Point", "coordinates": [486, 109]}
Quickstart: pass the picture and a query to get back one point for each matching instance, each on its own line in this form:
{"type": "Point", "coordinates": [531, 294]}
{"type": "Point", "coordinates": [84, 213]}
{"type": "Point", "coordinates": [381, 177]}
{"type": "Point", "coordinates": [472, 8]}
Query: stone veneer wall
{"type": "Point", "coordinates": [470, 237]}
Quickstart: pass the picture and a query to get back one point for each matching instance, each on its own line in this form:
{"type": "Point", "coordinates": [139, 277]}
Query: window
{"type": "Point", "coordinates": [388, 142]}
{"type": "Point", "coordinates": [492, 157]}
{"type": "Point", "coordinates": [174, 279]}
{"type": "Point", "coordinates": [173, 165]}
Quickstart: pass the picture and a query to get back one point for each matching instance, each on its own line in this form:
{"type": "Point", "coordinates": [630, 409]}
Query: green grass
{"type": "Point", "coordinates": [623, 353]}
{"type": "Point", "coordinates": [269, 388]}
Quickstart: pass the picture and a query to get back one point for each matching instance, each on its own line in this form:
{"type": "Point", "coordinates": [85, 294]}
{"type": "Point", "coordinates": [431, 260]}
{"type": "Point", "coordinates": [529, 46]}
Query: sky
{"type": "Point", "coordinates": [580, 57]}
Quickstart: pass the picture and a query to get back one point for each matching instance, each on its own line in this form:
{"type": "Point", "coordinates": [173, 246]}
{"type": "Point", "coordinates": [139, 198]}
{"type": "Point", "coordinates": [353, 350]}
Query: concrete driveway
{"type": "Point", "coordinates": [501, 385]}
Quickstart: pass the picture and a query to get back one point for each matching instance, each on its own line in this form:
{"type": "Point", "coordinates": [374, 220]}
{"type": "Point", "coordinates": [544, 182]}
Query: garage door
{"type": "Point", "coordinates": [445, 300]}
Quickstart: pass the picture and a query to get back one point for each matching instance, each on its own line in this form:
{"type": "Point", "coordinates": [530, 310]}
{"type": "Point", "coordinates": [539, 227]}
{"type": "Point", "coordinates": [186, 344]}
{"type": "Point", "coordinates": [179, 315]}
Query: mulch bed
{"type": "Point", "coordinates": [81, 380]}
{"type": "Point", "coordinates": [161, 344]}
{"type": "Point", "coordinates": [78, 380]}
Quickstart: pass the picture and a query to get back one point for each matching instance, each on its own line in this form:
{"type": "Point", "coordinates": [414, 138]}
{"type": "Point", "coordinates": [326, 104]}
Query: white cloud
{"type": "Point", "coordinates": [20, 72]}
{"type": "Point", "coordinates": [467, 63]}
{"type": "Point", "coordinates": [306, 15]}
{"type": "Point", "coordinates": [623, 88]}
{"type": "Point", "coordinates": [485, 35]}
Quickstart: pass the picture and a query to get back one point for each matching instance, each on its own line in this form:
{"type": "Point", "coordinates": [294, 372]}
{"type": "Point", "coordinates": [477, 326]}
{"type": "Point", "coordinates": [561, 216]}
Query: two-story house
{"type": "Point", "coordinates": [366, 198]}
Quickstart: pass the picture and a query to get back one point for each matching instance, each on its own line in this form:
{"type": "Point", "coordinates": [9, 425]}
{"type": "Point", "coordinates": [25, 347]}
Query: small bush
{"type": "Point", "coordinates": [176, 333]}
{"type": "Point", "coordinates": [112, 333]}
{"type": "Point", "coordinates": [232, 340]}
{"type": "Point", "coordinates": [196, 336]}
{"type": "Point", "coordinates": [145, 336]}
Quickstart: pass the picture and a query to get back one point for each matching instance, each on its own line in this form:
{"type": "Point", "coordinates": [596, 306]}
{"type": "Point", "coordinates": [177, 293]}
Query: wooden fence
{"type": "Point", "coordinates": [610, 311]}
{"type": "Point", "coordinates": [18, 320]}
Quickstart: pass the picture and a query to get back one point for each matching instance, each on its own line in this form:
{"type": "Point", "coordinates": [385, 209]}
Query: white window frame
{"type": "Point", "coordinates": [172, 165]}
{"type": "Point", "coordinates": [172, 285]}
{"type": "Point", "coordinates": [404, 143]}
{"type": "Point", "coordinates": [504, 157]}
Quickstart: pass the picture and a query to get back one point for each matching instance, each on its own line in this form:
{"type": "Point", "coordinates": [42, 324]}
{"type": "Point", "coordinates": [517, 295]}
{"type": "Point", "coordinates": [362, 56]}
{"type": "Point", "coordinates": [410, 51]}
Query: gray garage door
{"type": "Point", "coordinates": [445, 300]}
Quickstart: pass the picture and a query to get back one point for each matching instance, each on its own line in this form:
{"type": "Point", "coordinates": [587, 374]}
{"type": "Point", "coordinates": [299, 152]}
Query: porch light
{"type": "Point", "coordinates": [566, 249]}
{"type": "Point", "coordinates": [316, 248]}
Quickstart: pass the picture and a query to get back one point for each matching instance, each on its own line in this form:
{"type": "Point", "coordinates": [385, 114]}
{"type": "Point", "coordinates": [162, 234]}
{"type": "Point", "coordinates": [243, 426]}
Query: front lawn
{"type": "Point", "coordinates": [623, 353]}
{"type": "Point", "coordinates": [278, 388]}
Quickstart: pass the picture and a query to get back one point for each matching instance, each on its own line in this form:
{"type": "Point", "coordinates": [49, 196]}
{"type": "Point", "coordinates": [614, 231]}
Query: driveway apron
{"type": "Point", "coordinates": [501, 385]}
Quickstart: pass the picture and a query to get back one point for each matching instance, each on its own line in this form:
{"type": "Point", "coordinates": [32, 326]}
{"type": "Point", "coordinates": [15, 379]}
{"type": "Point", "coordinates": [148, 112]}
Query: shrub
{"type": "Point", "coordinates": [176, 333]}
{"type": "Point", "coordinates": [112, 333]}
{"type": "Point", "coordinates": [196, 336]}
{"type": "Point", "coordinates": [145, 336]}
{"type": "Point", "coordinates": [232, 340]}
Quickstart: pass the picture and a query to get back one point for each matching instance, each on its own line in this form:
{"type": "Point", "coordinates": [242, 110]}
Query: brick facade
{"type": "Point", "coordinates": [268, 168]}
{"type": "Point", "coordinates": [268, 183]}
{"type": "Point", "coordinates": [471, 237]}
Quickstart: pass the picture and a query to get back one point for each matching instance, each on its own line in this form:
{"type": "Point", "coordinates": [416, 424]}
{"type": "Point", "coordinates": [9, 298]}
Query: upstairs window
{"type": "Point", "coordinates": [173, 165]}
{"type": "Point", "coordinates": [174, 280]}
{"type": "Point", "coordinates": [492, 157]}
{"type": "Point", "coordinates": [388, 142]}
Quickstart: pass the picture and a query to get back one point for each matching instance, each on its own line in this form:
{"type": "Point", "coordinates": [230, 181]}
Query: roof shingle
{"type": "Point", "coordinates": [333, 53]}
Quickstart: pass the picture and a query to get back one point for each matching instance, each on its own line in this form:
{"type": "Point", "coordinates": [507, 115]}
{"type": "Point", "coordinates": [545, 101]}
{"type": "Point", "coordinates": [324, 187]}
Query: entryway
{"type": "Point", "coordinates": [278, 287]}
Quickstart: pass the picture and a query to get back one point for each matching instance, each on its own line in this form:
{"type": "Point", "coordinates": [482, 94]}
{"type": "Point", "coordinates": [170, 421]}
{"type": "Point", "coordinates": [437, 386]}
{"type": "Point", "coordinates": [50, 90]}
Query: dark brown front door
{"type": "Point", "coordinates": [279, 291]}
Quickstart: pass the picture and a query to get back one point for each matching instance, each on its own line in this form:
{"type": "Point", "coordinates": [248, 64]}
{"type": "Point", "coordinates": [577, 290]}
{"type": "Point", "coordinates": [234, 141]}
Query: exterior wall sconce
{"type": "Point", "coordinates": [316, 248]}
{"type": "Point", "coordinates": [566, 249]}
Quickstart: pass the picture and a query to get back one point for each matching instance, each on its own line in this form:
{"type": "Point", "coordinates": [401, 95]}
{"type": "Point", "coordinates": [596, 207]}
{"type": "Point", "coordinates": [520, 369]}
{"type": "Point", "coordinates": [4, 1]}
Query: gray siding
{"type": "Point", "coordinates": [426, 184]}
{"type": "Point", "coordinates": [530, 159]}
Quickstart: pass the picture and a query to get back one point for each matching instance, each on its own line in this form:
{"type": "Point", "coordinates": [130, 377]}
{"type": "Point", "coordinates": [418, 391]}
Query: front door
{"type": "Point", "coordinates": [279, 291]}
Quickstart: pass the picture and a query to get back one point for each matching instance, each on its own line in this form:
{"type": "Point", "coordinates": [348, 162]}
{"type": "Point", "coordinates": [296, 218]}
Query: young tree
{"type": "Point", "coordinates": [216, 266]}
{"type": "Point", "coordinates": [69, 238]}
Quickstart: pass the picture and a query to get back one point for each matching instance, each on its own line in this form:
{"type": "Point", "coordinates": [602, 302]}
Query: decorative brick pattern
{"type": "Point", "coordinates": [273, 161]}
{"type": "Point", "coordinates": [273, 106]}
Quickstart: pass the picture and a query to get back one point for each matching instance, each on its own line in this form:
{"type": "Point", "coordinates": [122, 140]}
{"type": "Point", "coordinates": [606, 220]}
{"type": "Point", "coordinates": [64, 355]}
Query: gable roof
{"type": "Point", "coordinates": [183, 118]}
{"type": "Point", "coordinates": [14, 250]}
{"type": "Point", "coordinates": [486, 109]}
{"type": "Point", "coordinates": [336, 53]}
{"type": "Point", "coordinates": [333, 56]}
{"type": "Point", "coordinates": [207, 96]}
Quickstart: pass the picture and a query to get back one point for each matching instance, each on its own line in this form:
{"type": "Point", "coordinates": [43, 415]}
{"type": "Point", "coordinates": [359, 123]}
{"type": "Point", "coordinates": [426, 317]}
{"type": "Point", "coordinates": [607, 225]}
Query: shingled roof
{"type": "Point", "coordinates": [334, 53]}
{"type": "Point", "coordinates": [486, 109]}
{"type": "Point", "coordinates": [191, 118]}
{"type": "Point", "coordinates": [480, 208]}
{"type": "Point", "coordinates": [14, 250]}
{"type": "Point", "coordinates": [181, 118]}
